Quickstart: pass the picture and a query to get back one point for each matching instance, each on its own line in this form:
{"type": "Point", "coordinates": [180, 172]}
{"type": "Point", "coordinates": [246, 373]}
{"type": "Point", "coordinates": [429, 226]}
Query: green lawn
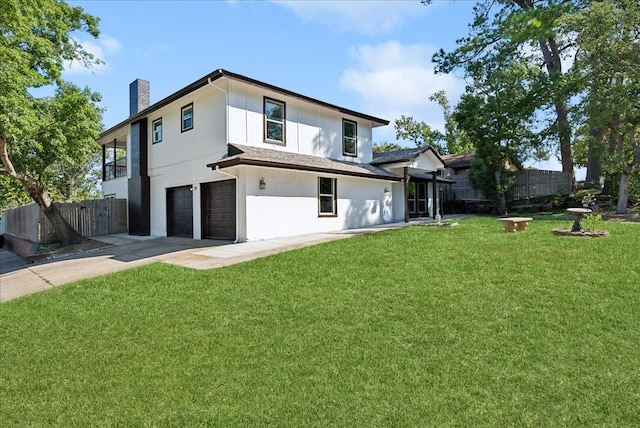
{"type": "Point", "coordinates": [422, 326]}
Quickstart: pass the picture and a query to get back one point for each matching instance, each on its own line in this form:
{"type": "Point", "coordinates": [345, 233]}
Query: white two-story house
{"type": "Point", "coordinates": [230, 157]}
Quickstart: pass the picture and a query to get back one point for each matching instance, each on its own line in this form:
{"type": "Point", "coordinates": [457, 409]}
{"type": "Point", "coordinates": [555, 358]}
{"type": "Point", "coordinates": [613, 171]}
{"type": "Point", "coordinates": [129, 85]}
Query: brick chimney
{"type": "Point", "coordinates": [138, 96]}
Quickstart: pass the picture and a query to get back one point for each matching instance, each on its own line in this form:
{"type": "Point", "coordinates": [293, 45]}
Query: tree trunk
{"type": "Point", "coordinates": [66, 234]}
{"type": "Point", "coordinates": [564, 135]}
{"type": "Point", "coordinates": [553, 63]}
{"type": "Point", "coordinates": [628, 169]}
{"type": "Point", "coordinates": [594, 179]}
{"type": "Point", "coordinates": [502, 202]}
{"type": "Point", "coordinates": [623, 195]}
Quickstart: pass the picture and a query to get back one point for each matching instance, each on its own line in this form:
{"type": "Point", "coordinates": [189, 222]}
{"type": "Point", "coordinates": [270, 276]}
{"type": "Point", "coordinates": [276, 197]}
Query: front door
{"type": "Point", "coordinates": [180, 212]}
{"type": "Point", "coordinates": [219, 210]}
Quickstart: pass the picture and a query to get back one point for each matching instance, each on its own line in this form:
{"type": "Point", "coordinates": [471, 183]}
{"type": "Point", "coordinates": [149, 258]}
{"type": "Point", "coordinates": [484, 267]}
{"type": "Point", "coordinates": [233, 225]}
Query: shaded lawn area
{"type": "Point", "coordinates": [420, 326]}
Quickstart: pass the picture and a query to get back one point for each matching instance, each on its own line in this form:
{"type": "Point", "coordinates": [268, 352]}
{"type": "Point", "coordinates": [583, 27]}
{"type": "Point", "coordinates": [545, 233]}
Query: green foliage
{"type": "Point", "coordinates": [456, 139]}
{"type": "Point", "coordinates": [607, 67]}
{"type": "Point", "coordinates": [385, 146]}
{"type": "Point", "coordinates": [50, 141]}
{"type": "Point", "coordinates": [497, 329]}
{"type": "Point", "coordinates": [496, 114]}
{"type": "Point", "coordinates": [634, 189]}
{"type": "Point", "coordinates": [522, 36]}
{"type": "Point", "coordinates": [13, 194]}
{"type": "Point", "coordinates": [419, 133]}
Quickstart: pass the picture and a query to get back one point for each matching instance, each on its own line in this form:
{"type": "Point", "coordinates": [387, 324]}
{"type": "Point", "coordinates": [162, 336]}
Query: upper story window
{"type": "Point", "coordinates": [274, 115]}
{"type": "Point", "coordinates": [187, 117]}
{"type": "Point", "coordinates": [349, 137]}
{"type": "Point", "coordinates": [156, 129]}
{"type": "Point", "coordinates": [327, 197]}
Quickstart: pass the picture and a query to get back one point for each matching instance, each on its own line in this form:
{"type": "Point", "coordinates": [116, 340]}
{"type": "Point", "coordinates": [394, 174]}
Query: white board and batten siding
{"type": "Point", "coordinates": [309, 129]}
{"type": "Point", "coordinates": [288, 206]}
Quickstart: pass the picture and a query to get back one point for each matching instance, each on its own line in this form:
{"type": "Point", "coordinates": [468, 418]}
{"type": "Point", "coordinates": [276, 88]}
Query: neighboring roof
{"type": "Point", "coordinates": [459, 160]}
{"type": "Point", "coordinates": [402, 155]}
{"type": "Point", "coordinates": [211, 77]}
{"type": "Point", "coordinates": [257, 156]}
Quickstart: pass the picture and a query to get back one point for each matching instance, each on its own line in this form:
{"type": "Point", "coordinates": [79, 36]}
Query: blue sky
{"type": "Point", "coordinates": [369, 56]}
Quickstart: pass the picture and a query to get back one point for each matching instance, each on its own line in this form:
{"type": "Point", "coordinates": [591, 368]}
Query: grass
{"type": "Point", "coordinates": [457, 326]}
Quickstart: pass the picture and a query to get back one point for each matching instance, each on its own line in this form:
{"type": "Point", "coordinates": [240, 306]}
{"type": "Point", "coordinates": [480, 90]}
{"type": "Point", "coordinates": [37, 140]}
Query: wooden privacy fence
{"type": "Point", "coordinates": [90, 218]}
{"type": "Point", "coordinates": [527, 183]}
{"type": "Point", "coordinates": [462, 189]}
{"type": "Point", "coordinates": [533, 182]}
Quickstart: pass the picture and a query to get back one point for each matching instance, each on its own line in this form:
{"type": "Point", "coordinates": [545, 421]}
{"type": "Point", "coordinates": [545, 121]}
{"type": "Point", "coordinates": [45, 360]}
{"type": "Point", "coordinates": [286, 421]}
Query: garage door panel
{"type": "Point", "coordinates": [219, 210]}
{"type": "Point", "coordinates": [180, 212]}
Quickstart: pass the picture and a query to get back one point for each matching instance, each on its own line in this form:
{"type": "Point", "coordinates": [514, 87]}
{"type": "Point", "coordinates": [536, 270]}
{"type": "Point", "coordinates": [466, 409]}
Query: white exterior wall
{"type": "Point", "coordinates": [398, 201]}
{"type": "Point", "coordinates": [181, 158]}
{"type": "Point", "coordinates": [309, 129]}
{"type": "Point", "coordinates": [117, 186]}
{"type": "Point", "coordinates": [289, 204]}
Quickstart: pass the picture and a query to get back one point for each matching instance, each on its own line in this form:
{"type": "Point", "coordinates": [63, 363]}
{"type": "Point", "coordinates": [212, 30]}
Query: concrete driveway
{"type": "Point", "coordinates": [17, 278]}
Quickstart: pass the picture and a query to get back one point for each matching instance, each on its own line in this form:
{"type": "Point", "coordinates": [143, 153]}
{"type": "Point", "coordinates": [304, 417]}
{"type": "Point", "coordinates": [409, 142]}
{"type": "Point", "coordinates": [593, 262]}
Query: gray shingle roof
{"type": "Point", "coordinates": [402, 155]}
{"type": "Point", "coordinates": [257, 156]}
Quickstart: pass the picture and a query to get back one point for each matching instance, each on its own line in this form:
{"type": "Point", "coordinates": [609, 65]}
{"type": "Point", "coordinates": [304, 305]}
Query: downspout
{"type": "Point", "coordinates": [226, 133]}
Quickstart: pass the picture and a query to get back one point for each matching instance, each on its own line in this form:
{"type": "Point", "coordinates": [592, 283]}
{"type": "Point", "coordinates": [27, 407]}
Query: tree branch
{"type": "Point", "coordinates": [9, 171]}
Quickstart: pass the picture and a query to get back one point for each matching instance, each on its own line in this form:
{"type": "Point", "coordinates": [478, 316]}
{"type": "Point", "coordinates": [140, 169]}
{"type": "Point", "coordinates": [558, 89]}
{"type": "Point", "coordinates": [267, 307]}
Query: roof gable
{"type": "Point", "coordinates": [419, 158]}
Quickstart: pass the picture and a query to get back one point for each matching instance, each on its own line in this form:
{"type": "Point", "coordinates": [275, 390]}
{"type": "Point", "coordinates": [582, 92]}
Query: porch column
{"type": "Point", "coordinates": [435, 194]}
{"type": "Point", "coordinates": [104, 162]}
{"type": "Point", "coordinates": [406, 194]}
{"type": "Point", "coordinates": [115, 157]}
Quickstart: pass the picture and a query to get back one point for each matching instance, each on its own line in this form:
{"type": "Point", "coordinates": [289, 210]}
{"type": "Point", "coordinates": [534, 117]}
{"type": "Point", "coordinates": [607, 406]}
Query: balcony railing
{"type": "Point", "coordinates": [111, 170]}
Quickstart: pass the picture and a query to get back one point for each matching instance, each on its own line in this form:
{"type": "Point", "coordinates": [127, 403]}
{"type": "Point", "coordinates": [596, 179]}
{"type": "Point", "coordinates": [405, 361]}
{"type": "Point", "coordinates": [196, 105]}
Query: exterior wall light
{"type": "Point", "coordinates": [263, 185]}
{"type": "Point", "coordinates": [386, 190]}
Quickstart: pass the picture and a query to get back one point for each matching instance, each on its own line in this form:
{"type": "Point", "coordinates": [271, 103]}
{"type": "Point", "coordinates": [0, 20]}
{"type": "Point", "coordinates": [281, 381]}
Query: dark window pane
{"type": "Point", "coordinates": [350, 145]}
{"type": "Point", "coordinates": [274, 110]}
{"type": "Point", "coordinates": [349, 129]}
{"type": "Point", "coordinates": [326, 204]}
{"type": "Point", "coordinates": [326, 186]}
{"type": "Point", "coordinates": [412, 190]}
{"type": "Point", "coordinates": [422, 190]}
{"type": "Point", "coordinates": [274, 131]}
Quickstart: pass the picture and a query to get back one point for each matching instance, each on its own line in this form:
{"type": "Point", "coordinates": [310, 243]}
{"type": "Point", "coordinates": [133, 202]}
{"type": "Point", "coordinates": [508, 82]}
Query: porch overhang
{"type": "Point", "coordinates": [419, 160]}
{"type": "Point", "coordinates": [115, 137]}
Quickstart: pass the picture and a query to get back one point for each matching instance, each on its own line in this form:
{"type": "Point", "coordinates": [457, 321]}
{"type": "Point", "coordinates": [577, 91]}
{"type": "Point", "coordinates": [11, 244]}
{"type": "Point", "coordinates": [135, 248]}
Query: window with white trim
{"type": "Point", "coordinates": [186, 113]}
{"type": "Point", "coordinates": [274, 116]}
{"type": "Point", "coordinates": [327, 196]}
{"type": "Point", "coordinates": [156, 130]}
{"type": "Point", "coordinates": [349, 137]}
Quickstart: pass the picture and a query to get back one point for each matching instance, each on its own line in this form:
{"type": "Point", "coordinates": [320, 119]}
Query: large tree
{"type": "Point", "coordinates": [38, 135]}
{"type": "Point", "coordinates": [608, 64]}
{"type": "Point", "coordinates": [496, 114]}
{"type": "Point", "coordinates": [524, 31]}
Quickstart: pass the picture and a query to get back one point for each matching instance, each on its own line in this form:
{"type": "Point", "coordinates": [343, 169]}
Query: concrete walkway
{"type": "Point", "coordinates": [17, 278]}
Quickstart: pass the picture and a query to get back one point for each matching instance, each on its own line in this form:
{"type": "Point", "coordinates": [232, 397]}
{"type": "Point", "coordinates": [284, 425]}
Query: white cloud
{"type": "Point", "coordinates": [100, 49]}
{"type": "Point", "coordinates": [393, 79]}
{"type": "Point", "coordinates": [366, 17]}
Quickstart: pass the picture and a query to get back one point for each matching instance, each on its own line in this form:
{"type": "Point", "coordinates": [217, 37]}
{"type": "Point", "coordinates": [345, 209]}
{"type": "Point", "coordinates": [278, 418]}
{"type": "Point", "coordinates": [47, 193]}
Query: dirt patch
{"type": "Point", "coordinates": [54, 250]}
{"type": "Point", "coordinates": [584, 232]}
